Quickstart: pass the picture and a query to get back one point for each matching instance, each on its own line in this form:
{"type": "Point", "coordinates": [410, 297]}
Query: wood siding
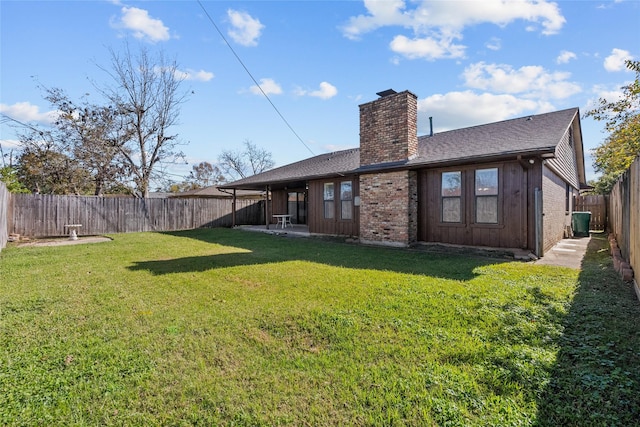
{"type": "Point", "coordinates": [514, 213]}
{"type": "Point", "coordinates": [46, 215]}
{"type": "Point", "coordinates": [565, 164]}
{"type": "Point", "coordinates": [318, 224]}
{"type": "Point", "coordinates": [278, 204]}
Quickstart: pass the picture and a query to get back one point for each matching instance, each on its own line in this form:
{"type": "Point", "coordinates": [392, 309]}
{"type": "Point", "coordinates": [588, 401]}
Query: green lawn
{"type": "Point", "coordinates": [226, 327]}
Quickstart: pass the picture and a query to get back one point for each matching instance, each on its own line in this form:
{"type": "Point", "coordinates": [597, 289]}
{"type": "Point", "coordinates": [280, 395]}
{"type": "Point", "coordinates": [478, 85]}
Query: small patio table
{"type": "Point", "coordinates": [283, 220]}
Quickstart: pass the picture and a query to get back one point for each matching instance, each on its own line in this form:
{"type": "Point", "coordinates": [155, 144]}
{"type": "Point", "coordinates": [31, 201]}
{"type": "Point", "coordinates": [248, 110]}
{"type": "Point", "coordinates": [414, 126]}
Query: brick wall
{"type": "Point", "coordinates": [388, 129]}
{"type": "Point", "coordinates": [388, 208]}
{"type": "Point", "coordinates": [555, 218]}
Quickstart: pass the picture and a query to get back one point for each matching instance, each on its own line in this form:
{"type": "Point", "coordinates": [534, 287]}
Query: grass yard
{"type": "Point", "coordinates": [226, 327]}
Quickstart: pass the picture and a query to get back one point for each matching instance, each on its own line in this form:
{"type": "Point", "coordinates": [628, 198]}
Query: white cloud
{"type": "Point", "coordinates": [611, 93]}
{"type": "Point", "coordinates": [268, 86]}
{"type": "Point", "coordinates": [494, 44]}
{"type": "Point", "coordinates": [246, 29]}
{"type": "Point", "coordinates": [9, 144]}
{"type": "Point", "coordinates": [326, 91]}
{"type": "Point", "coordinates": [26, 112]}
{"type": "Point", "coordinates": [530, 81]}
{"type": "Point", "coordinates": [435, 24]}
{"type": "Point", "coordinates": [615, 61]}
{"type": "Point", "coordinates": [142, 25]}
{"type": "Point", "coordinates": [565, 56]}
{"type": "Point", "coordinates": [188, 74]}
{"type": "Point", "coordinates": [455, 110]}
{"type": "Point", "coordinates": [426, 48]}
{"type": "Point", "coordinates": [381, 14]}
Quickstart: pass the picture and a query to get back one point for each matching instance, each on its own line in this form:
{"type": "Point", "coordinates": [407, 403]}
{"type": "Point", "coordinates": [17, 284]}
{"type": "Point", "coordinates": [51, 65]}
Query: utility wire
{"type": "Point", "coordinates": [6, 119]}
{"type": "Point", "coordinates": [253, 78]}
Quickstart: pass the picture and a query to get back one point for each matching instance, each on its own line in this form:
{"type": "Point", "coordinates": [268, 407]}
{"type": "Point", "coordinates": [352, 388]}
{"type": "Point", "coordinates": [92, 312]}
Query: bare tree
{"type": "Point", "coordinates": [146, 92]}
{"type": "Point", "coordinates": [242, 163]}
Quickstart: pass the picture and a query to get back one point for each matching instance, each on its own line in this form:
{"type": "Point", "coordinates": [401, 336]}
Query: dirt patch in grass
{"type": "Point", "coordinates": [62, 241]}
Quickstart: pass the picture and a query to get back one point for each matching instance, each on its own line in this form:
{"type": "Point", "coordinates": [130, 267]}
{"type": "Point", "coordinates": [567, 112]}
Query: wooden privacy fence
{"type": "Point", "coordinates": [46, 215]}
{"type": "Point", "coordinates": [4, 213]}
{"type": "Point", "coordinates": [624, 215]}
{"type": "Point", "coordinates": [597, 205]}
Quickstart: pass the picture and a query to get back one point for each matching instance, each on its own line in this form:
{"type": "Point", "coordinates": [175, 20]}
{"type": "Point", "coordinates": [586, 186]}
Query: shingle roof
{"type": "Point", "coordinates": [537, 134]}
{"type": "Point", "coordinates": [530, 134]}
{"type": "Point", "coordinates": [329, 164]}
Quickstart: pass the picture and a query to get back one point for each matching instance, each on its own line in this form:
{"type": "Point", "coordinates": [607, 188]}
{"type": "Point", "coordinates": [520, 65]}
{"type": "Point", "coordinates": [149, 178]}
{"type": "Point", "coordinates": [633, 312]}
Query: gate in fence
{"type": "Point", "coordinates": [597, 205]}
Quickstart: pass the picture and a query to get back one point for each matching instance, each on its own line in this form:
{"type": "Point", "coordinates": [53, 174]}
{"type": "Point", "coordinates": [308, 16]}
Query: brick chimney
{"type": "Point", "coordinates": [388, 128]}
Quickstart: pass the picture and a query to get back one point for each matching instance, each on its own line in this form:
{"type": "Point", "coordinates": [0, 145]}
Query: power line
{"type": "Point", "coordinates": [5, 119]}
{"type": "Point", "coordinates": [253, 78]}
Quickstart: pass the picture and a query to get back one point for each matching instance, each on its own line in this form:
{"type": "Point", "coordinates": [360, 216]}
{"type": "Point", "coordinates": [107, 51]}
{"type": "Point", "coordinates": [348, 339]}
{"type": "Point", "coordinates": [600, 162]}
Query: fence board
{"type": "Point", "coordinates": [597, 205]}
{"type": "Point", "coordinates": [634, 218]}
{"type": "Point", "coordinates": [624, 215]}
{"type": "Point", "coordinates": [46, 215]}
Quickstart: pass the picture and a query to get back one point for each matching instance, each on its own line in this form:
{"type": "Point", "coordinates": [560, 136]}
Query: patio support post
{"type": "Point", "coordinates": [233, 210]}
{"type": "Point", "coordinates": [266, 208]}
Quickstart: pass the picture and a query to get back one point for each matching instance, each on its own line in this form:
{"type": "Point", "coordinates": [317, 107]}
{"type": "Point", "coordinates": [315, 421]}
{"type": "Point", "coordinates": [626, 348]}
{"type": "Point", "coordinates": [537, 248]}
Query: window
{"type": "Point", "coordinates": [451, 196]}
{"type": "Point", "coordinates": [486, 194]}
{"type": "Point", "coordinates": [328, 200]}
{"type": "Point", "coordinates": [346, 200]}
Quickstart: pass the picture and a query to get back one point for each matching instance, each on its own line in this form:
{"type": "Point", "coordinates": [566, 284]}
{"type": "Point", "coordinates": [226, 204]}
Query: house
{"type": "Point", "coordinates": [508, 184]}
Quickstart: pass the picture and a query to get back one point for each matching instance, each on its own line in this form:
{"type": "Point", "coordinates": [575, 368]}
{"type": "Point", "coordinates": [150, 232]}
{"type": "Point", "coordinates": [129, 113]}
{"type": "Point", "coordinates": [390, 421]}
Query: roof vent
{"type": "Point", "coordinates": [386, 93]}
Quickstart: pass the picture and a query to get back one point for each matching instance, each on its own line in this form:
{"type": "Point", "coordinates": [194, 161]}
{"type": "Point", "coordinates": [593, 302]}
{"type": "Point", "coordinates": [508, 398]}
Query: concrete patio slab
{"type": "Point", "coordinates": [566, 253]}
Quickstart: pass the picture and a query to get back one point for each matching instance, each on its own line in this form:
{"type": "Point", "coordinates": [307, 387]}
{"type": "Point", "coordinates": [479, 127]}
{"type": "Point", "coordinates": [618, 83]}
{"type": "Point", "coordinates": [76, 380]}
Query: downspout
{"type": "Point", "coordinates": [538, 216]}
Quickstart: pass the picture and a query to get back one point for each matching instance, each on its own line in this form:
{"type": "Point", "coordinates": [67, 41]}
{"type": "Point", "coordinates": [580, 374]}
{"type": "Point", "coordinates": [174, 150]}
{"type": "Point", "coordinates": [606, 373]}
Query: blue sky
{"type": "Point", "coordinates": [469, 63]}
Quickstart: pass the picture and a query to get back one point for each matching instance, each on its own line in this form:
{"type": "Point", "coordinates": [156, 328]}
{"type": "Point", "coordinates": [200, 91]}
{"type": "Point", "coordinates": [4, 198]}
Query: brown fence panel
{"type": "Point", "coordinates": [4, 215]}
{"type": "Point", "coordinates": [634, 228]}
{"type": "Point", "coordinates": [46, 215]}
{"type": "Point", "coordinates": [624, 215]}
{"type": "Point", "coordinates": [597, 205]}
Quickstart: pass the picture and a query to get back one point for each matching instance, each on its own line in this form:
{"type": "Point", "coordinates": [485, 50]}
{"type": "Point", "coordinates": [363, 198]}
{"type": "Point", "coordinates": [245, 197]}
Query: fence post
{"type": "Point", "coordinates": [5, 212]}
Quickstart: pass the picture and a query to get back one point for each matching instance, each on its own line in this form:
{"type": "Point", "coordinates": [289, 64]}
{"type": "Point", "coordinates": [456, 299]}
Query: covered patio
{"type": "Point", "coordinates": [299, 230]}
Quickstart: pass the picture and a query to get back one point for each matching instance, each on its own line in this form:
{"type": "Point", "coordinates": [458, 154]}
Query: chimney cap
{"type": "Point", "coordinates": [386, 93]}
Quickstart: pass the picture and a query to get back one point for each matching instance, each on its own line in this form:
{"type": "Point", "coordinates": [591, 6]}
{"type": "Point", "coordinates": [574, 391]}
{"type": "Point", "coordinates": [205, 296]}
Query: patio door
{"type": "Point", "coordinates": [297, 207]}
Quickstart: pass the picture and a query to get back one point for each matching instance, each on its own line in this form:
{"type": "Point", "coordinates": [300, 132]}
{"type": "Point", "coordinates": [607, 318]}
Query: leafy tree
{"type": "Point", "coordinates": [93, 135]}
{"type": "Point", "coordinates": [146, 93]}
{"type": "Point", "coordinates": [204, 174]}
{"type": "Point", "coordinates": [243, 163]}
{"type": "Point", "coordinates": [45, 169]}
{"type": "Point", "coordinates": [622, 121]}
{"type": "Point", "coordinates": [9, 173]}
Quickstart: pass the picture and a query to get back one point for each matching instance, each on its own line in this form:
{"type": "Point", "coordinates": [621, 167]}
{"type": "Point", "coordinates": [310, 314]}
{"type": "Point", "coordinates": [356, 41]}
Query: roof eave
{"type": "Point", "coordinates": [545, 152]}
{"type": "Point", "coordinates": [261, 185]}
